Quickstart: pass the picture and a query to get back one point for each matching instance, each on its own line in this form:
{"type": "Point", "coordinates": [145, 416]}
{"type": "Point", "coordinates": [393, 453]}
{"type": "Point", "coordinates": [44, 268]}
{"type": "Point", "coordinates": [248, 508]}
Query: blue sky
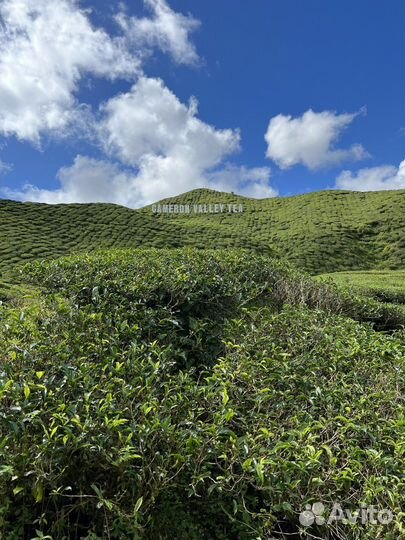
{"type": "Point", "coordinates": [129, 102]}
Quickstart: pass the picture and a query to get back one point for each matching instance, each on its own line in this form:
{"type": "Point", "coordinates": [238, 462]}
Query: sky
{"type": "Point", "coordinates": [132, 101]}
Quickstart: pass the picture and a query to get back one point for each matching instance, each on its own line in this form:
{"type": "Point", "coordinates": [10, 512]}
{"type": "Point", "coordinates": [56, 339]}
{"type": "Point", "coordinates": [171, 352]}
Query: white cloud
{"type": "Point", "coordinates": [252, 182]}
{"type": "Point", "coordinates": [5, 167]}
{"type": "Point", "coordinates": [87, 180]}
{"type": "Point", "coordinates": [373, 178]}
{"type": "Point", "coordinates": [174, 151]}
{"type": "Point", "coordinates": [167, 30]}
{"type": "Point", "coordinates": [48, 46]}
{"type": "Point", "coordinates": [151, 121]}
{"type": "Point", "coordinates": [92, 180]}
{"type": "Point", "coordinates": [164, 150]}
{"type": "Point", "coordinates": [310, 140]}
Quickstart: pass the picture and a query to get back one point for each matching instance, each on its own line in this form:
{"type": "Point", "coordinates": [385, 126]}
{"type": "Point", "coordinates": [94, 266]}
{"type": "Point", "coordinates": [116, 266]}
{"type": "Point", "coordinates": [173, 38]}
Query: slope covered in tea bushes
{"type": "Point", "coordinates": [320, 232]}
{"type": "Point", "coordinates": [188, 394]}
{"type": "Point", "coordinates": [386, 286]}
{"type": "Point", "coordinates": [324, 231]}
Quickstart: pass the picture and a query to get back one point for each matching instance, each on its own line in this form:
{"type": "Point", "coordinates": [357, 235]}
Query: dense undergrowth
{"type": "Point", "coordinates": [196, 395]}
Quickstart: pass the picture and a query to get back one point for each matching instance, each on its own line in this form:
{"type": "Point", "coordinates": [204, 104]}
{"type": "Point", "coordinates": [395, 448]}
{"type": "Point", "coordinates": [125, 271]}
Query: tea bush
{"type": "Point", "coordinates": [195, 395]}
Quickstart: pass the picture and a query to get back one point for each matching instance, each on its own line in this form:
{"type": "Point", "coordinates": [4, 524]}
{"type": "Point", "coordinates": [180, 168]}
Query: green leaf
{"type": "Point", "coordinates": [38, 493]}
{"type": "Point", "coordinates": [138, 505]}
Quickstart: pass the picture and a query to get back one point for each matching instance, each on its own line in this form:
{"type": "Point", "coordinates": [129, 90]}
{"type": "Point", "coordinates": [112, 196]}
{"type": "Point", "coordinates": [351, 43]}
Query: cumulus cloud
{"type": "Point", "coordinates": [163, 149]}
{"type": "Point", "coordinates": [373, 178]}
{"type": "Point", "coordinates": [250, 182]}
{"type": "Point", "coordinates": [92, 180]}
{"type": "Point", "coordinates": [166, 29]}
{"type": "Point", "coordinates": [310, 140]}
{"type": "Point", "coordinates": [48, 46]}
{"type": "Point", "coordinates": [155, 145]}
{"type": "Point", "coordinates": [87, 180]}
{"type": "Point", "coordinates": [150, 120]}
{"type": "Point", "coordinates": [173, 150]}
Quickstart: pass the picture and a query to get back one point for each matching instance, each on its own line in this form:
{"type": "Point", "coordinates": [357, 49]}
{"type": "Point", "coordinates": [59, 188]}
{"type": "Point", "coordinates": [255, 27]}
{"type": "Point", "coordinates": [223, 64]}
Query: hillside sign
{"type": "Point", "coordinates": [216, 208]}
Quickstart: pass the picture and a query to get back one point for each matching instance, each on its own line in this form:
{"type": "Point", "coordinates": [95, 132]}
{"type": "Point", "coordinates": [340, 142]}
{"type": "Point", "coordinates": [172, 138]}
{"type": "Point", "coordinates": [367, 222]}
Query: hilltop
{"type": "Point", "coordinates": [321, 232]}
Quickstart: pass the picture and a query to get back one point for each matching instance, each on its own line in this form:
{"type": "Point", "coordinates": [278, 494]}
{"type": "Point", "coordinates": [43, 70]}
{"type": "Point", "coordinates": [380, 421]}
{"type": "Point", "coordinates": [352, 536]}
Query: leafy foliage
{"type": "Point", "coordinates": [187, 394]}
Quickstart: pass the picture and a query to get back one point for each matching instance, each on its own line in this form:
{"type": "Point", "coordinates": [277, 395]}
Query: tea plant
{"type": "Point", "coordinates": [189, 394]}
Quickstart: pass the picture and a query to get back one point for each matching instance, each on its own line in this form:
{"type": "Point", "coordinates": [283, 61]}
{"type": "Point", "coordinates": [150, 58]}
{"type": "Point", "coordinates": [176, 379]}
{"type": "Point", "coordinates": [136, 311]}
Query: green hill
{"type": "Point", "coordinates": [320, 232]}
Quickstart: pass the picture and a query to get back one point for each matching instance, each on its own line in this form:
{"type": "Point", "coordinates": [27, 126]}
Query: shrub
{"type": "Point", "coordinates": [118, 421]}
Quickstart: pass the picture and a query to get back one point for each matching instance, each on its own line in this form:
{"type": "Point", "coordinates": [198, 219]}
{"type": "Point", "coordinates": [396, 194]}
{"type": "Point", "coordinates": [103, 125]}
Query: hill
{"type": "Point", "coordinates": [335, 230]}
{"type": "Point", "coordinates": [320, 232]}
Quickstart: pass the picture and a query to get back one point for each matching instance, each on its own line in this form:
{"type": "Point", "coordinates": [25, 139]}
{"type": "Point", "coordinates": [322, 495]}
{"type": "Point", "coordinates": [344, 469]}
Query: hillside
{"type": "Point", "coordinates": [336, 230]}
{"type": "Point", "coordinates": [320, 232]}
{"type": "Point", "coordinates": [385, 286]}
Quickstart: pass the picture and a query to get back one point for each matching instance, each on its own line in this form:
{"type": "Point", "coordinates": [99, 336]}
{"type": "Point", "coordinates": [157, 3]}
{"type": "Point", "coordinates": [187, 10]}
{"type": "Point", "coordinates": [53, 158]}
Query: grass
{"type": "Point", "coordinates": [181, 393]}
{"type": "Point", "coordinates": [319, 232]}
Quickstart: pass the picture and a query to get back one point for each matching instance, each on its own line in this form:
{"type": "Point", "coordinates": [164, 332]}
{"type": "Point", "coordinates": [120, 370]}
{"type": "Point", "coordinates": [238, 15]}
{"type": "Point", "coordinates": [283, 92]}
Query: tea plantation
{"type": "Point", "coordinates": [320, 232]}
{"type": "Point", "coordinates": [386, 286]}
{"type": "Point", "coordinates": [172, 376]}
{"type": "Point", "coordinates": [187, 394]}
